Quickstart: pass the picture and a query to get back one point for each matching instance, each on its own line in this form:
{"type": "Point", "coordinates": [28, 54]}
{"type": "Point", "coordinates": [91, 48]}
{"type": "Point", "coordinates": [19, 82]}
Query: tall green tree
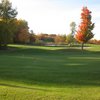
{"type": "Point", "coordinates": [73, 28]}
{"type": "Point", "coordinates": [70, 37]}
{"type": "Point", "coordinates": [6, 11]}
{"type": "Point", "coordinates": [7, 14]}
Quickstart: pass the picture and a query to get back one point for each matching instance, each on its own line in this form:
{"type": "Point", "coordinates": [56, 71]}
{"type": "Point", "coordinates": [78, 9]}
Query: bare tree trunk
{"type": "Point", "coordinates": [82, 46]}
{"type": "Point", "coordinates": [0, 45]}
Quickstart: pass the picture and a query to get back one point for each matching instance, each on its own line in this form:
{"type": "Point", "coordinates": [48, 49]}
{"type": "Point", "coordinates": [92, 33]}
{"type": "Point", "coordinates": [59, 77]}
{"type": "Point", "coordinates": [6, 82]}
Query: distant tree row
{"type": "Point", "coordinates": [13, 30]}
{"type": "Point", "coordinates": [94, 41]}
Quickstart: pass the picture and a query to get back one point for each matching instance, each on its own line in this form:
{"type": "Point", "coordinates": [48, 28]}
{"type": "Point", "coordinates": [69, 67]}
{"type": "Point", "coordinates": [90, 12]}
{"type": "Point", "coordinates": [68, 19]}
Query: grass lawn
{"type": "Point", "coordinates": [49, 73]}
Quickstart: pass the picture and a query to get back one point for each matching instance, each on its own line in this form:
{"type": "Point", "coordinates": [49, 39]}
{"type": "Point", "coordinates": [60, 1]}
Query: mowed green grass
{"type": "Point", "coordinates": [50, 73]}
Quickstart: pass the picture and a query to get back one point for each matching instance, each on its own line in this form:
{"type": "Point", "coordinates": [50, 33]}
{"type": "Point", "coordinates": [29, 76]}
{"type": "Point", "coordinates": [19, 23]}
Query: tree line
{"type": "Point", "coordinates": [13, 30]}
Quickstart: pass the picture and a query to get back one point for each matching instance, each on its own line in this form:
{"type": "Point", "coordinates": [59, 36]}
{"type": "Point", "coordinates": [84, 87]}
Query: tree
{"type": "Point", "coordinates": [84, 32]}
{"type": "Point", "coordinates": [7, 14]}
{"type": "Point", "coordinates": [73, 28]}
{"type": "Point", "coordinates": [22, 32]}
{"type": "Point", "coordinates": [59, 39]}
{"type": "Point", "coordinates": [70, 37]}
{"type": "Point", "coordinates": [32, 37]}
{"type": "Point", "coordinates": [6, 10]}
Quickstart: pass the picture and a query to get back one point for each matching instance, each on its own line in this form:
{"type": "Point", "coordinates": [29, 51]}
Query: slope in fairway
{"type": "Point", "coordinates": [49, 73]}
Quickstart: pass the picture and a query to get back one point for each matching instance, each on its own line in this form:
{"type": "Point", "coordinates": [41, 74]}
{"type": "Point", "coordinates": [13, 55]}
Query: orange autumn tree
{"type": "Point", "coordinates": [84, 32]}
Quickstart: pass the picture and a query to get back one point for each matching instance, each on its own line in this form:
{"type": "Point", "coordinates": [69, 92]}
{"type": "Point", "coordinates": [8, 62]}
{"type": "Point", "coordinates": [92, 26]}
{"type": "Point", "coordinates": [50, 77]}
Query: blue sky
{"type": "Point", "coordinates": [55, 16]}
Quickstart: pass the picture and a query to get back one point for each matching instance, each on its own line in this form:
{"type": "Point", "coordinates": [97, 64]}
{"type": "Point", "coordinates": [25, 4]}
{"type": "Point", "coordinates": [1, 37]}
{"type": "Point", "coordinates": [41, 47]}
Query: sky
{"type": "Point", "coordinates": [55, 16]}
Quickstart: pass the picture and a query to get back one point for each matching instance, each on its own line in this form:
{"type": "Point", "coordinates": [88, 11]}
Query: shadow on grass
{"type": "Point", "coordinates": [55, 50]}
{"type": "Point", "coordinates": [55, 67]}
{"type": "Point", "coordinates": [23, 87]}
